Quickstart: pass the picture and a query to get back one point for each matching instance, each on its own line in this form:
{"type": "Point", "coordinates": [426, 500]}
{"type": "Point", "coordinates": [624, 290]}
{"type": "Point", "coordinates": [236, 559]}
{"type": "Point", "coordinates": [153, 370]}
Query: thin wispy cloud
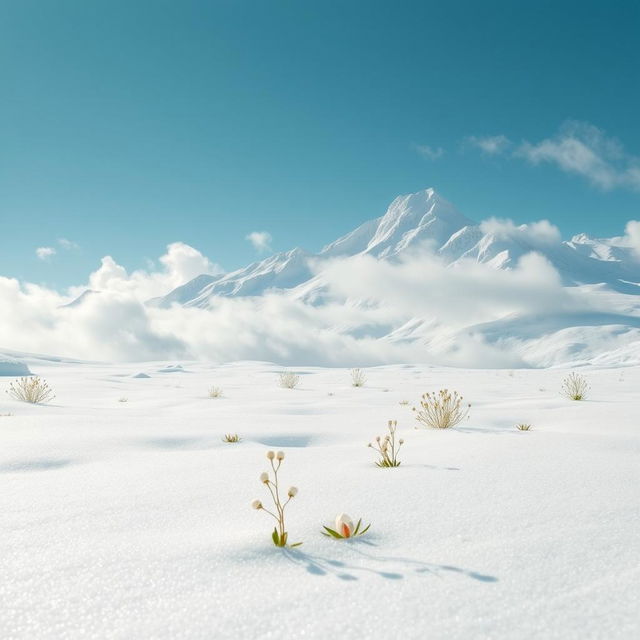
{"type": "Point", "coordinates": [577, 148]}
{"type": "Point", "coordinates": [44, 253]}
{"type": "Point", "coordinates": [67, 244]}
{"type": "Point", "coordinates": [430, 153]}
{"type": "Point", "coordinates": [585, 150]}
{"type": "Point", "coordinates": [261, 240]}
{"type": "Point", "coordinates": [489, 145]}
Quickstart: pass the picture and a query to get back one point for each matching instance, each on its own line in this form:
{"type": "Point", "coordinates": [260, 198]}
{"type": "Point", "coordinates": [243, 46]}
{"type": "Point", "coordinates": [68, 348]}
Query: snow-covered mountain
{"type": "Point", "coordinates": [281, 271]}
{"type": "Point", "coordinates": [414, 223]}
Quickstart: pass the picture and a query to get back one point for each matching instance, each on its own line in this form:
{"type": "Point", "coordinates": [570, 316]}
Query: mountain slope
{"type": "Point", "coordinates": [413, 224]}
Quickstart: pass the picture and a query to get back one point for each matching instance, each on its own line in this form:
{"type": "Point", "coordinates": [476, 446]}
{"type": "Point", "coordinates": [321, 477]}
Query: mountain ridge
{"type": "Point", "coordinates": [414, 223]}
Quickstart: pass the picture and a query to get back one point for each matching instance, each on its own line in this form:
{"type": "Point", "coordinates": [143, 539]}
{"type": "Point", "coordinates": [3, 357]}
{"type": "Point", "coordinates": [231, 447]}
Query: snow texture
{"type": "Point", "coordinates": [133, 520]}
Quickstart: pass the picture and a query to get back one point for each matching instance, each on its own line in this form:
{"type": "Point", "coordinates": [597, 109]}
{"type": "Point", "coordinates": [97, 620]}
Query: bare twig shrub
{"type": "Point", "coordinates": [279, 535]}
{"type": "Point", "coordinates": [34, 390]}
{"type": "Point", "coordinates": [288, 380]}
{"type": "Point", "coordinates": [574, 387]}
{"type": "Point", "coordinates": [387, 447]}
{"type": "Point", "coordinates": [215, 392]}
{"type": "Point", "coordinates": [442, 410]}
{"type": "Point", "coordinates": [523, 426]}
{"type": "Point", "coordinates": [231, 437]}
{"type": "Point", "coordinates": [358, 378]}
{"type": "Point", "coordinates": [403, 403]}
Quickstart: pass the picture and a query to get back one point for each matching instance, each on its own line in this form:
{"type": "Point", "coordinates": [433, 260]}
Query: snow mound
{"type": "Point", "coordinates": [176, 368]}
{"type": "Point", "coordinates": [12, 367]}
{"type": "Point", "coordinates": [141, 375]}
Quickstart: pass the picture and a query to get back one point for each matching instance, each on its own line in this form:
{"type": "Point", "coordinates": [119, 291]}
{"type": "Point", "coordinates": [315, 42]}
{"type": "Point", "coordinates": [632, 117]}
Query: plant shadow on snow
{"type": "Point", "coordinates": [506, 430]}
{"type": "Point", "coordinates": [38, 464]}
{"type": "Point", "coordinates": [321, 566]}
{"type": "Point", "coordinates": [430, 466]}
{"type": "Point", "coordinates": [179, 443]}
{"type": "Point", "coordinates": [286, 440]}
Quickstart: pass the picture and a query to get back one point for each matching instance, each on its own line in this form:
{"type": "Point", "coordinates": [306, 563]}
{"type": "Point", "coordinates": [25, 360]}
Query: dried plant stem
{"type": "Point", "coordinates": [279, 535]}
{"type": "Point", "coordinates": [387, 447]}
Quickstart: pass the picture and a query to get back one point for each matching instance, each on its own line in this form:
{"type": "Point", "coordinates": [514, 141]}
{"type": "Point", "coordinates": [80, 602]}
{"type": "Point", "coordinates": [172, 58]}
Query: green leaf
{"type": "Point", "coordinates": [296, 544]}
{"type": "Point", "coordinates": [355, 533]}
{"type": "Point", "coordinates": [283, 542]}
{"type": "Point", "coordinates": [365, 529]}
{"type": "Point", "coordinates": [332, 533]}
{"type": "Point", "coordinates": [275, 537]}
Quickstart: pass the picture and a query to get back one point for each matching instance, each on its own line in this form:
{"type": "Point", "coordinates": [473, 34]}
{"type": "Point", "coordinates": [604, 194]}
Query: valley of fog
{"type": "Point", "coordinates": [419, 284]}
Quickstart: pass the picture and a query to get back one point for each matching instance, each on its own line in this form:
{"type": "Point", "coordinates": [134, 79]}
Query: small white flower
{"type": "Point", "coordinates": [292, 492]}
{"type": "Point", "coordinates": [280, 455]}
{"type": "Point", "coordinates": [344, 525]}
{"type": "Point", "coordinates": [264, 477]}
{"type": "Point", "coordinates": [271, 455]}
{"type": "Point", "coordinates": [256, 504]}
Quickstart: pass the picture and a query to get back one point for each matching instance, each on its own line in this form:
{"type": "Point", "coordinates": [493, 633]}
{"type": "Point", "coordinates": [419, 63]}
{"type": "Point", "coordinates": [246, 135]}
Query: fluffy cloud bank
{"type": "Point", "coordinates": [373, 312]}
{"type": "Point", "coordinates": [179, 264]}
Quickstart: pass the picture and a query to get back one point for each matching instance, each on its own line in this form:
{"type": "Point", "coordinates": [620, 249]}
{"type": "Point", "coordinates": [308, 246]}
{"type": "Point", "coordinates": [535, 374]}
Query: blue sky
{"type": "Point", "coordinates": [125, 126]}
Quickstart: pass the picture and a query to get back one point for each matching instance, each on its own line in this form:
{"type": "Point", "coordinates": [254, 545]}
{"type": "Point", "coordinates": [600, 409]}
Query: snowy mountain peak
{"type": "Point", "coordinates": [414, 223]}
{"type": "Point", "coordinates": [412, 219]}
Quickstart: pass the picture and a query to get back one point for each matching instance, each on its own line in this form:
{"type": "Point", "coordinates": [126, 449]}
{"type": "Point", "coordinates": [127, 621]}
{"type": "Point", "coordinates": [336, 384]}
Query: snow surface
{"type": "Point", "coordinates": [133, 520]}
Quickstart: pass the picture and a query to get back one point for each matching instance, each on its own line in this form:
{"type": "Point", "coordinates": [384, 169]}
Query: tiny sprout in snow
{"type": "Point", "coordinates": [279, 535]}
{"type": "Point", "coordinates": [387, 448]}
{"type": "Point", "coordinates": [345, 528]}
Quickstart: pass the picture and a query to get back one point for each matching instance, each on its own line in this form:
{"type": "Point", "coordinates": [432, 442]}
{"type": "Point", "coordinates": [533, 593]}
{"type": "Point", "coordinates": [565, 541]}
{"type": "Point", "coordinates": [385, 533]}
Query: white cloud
{"type": "Point", "coordinates": [534, 233]}
{"type": "Point", "coordinates": [585, 150]}
{"type": "Point", "coordinates": [431, 153]}
{"type": "Point", "coordinates": [67, 244]}
{"type": "Point", "coordinates": [489, 145]}
{"type": "Point", "coordinates": [261, 240]}
{"type": "Point", "coordinates": [180, 264]}
{"type": "Point", "coordinates": [632, 235]}
{"type": "Point", "coordinates": [44, 253]}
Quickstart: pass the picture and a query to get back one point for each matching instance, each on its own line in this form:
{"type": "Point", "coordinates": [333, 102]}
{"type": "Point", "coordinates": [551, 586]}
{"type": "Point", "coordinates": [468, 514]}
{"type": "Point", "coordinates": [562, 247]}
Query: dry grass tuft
{"type": "Point", "coordinates": [288, 380]}
{"type": "Point", "coordinates": [574, 387]}
{"type": "Point", "coordinates": [215, 392]}
{"type": "Point", "coordinates": [523, 427]}
{"type": "Point", "coordinates": [442, 410]}
{"type": "Point", "coordinates": [358, 378]}
{"type": "Point", "coordinates": [231, 437]}
{"type": "Point", "coordinates": [33, 390]}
